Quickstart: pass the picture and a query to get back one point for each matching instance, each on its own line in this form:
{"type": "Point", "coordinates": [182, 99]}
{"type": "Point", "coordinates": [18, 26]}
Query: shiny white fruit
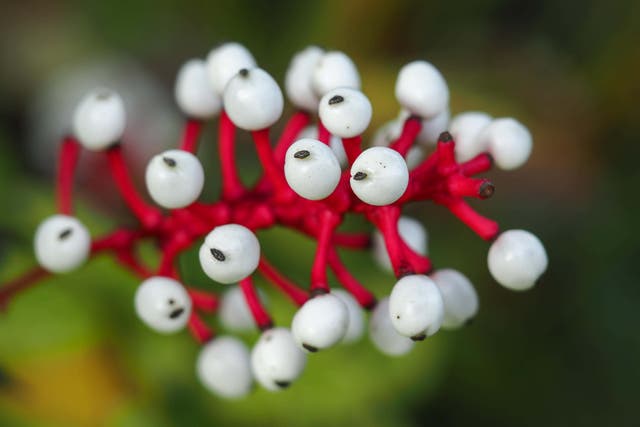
{"type": "Point", "coordinates": [465, 129]}
{"type": "Point", "coordinates": [194, 93]}
{"type": "Point", "coordinates": [382, 333]}
{"type": "Point", "coordinates": [379, 176]}
{"type": "Point", "coordinates": [229, 253]}
{"type": "Point", "coordinates": [253, 100]}
{"type": "Point", "coordinates": [311, 169]}
{"type": "Point", "coordinates": [416, 308]}
{"type": "Point", "coordinates": [99, 119]}
{"type": "Point", "coordinates": [333, 70]}
{"type": "Point", "coordinates": [459, 296]}
{"type": "Point", "coordinates": [163, 304]}
{"type": "Point", "coordinates": [517, 259]}
{"type": "Point", "coordinates": [174, 179]}
{"type": "Point", "coordinates": [508, 141]}
{"type": "Point", "coordinates": [297, 81]}
{"type": "Point", "coordinates": [356, 316]}
{"type": "Point", "coordinates": [411, 231]}
{"type": "Point", "coordinates": [345, 112]}
{"type": "Point", "coordinates": [421, 89]}
{"type": "Point", "coordinates": [61, 243]}
{"type": "Point", "coordinates": [276, 359]}
{"type": "Point", "coordinates": [224, 367]}
{"type": "Point", "coordinates": [224, 62]}
{"type": "Point", "coordinates": [321, 322]}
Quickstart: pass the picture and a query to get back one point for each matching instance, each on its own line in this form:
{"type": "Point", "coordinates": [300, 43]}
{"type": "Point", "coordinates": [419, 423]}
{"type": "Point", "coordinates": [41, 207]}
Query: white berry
{"type": "Point", "coordinates": [345, 112]}
{"type": "Point", "coordinates": [61, 243]}
{"type": "Point", "coordinates": [174, 179]}
{"type": "Point", "coordinates": [356, 316]}
{"type": "Point", "coordinates": [163, 304]}
{"type": "Point", "coordinates": [379, 176]}
{"type": "Point", "coordinates": [99, 119]}
{"type": "Point", "coordinates": [517, 259]}
{"type": "Point", "coordinates": [194, 93]}
{"type": "Point", "coordinates": [229, 253]}
{"type": "Point", "coordinates": [465, 128]}
{"type": "Point", "coordinates": [297, 81]}
{"type": "Point", "coordinates": [416, 308]}
{"type": "Point", "coordinates": [253, 100]}
{"type": "Point", "coordinates": [382, 333]}
{"type": "Point", "coordinates": [508, 141]}
{"type": "Point", "coordinates": [334, 142]}
{"type": "Point", "coordinates": [333, 70]}
{"type": "Point", "coordinates": [224, 62]}
{"type": "Point", "coordinates": [459, 297]}
{"type": "Point", "coordinates": [421, 89]}
{"type": "Point", "coordinates": [412, 232]}
{"type": "Point", "coordinates": [320, 323]}
{"type": "Point", "coordinates": [234, 312]}
{"type": "Point", "coordinates": [224, 367]}
{"type": "Point", "coordinates": [276, 359]}
{"type": "Point", "coordinates": [311, 169]}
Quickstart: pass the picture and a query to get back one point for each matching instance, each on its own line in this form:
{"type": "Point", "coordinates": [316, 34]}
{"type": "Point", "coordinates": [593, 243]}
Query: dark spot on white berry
{"type": "Point", "coordinates": [337, 99]}
{"type": "Point", "coordinates": [445, 137]}
{"type": "Point", "coordinates": [169, 162]}
{"type": "Point", "coordinates": [359, 176]}
{"type": "Point", "coordinates": [244, 72]}
{"type": "Point", "coordinates": [282, 384]}
{"type": "Point", "coordinates": [176, 313]}
{"type": "Point", "coordinates": [171, 301]}
{"type": "Point", "coordinates": [66, 233]}
{"type": "Point", "coordinates": [419, 337]}
{"type": "Point", "coordinates": [217, 254]}
{"type": "Point", "coordinates": [302, 154]}
{"type": "Point", "coordinates": [397, 316]}
{"type": "Point", "coordinates": [310, 348]}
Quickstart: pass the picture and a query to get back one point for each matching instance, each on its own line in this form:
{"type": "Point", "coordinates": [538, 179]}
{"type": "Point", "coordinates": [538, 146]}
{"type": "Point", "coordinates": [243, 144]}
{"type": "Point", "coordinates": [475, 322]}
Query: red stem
{"type": "Point", "coordinates": [386, 218]}
{"type": "Point", "coordinates": [352, 241]}
{"type": "Point", "coordinates": [200, 330]}
{"type": "Point", "coordinates": [260, 315]}
{"type": "Point", "coordinates": [365, 298]}
{"type": "Point", "coordinates": [232, 187]}
{"type": "Point", "coordinates": [149, 216]}
{"type": "Point", "coordinates": [274, 173]}
{"type": "Point", "coordinates": [192, 129]}
{"type": "Point", "coordinates": [353, 147]}
{"type": "Point", "coordinates": [323, 133]}
{"type": "Point", "coordinates": [479, 164]}
{"type": "Point", "coordinates": [204, 301]}
{"type": "Point", "coordinates": [292, 129]}
{"type": "Point", "coordinates": [297, 295]}
{"type": "Point", "coordinates": [410, 131]}
{"type": "Point", "coordinates": [69, 154]}
{"type": "Point", "coordinates": [484, 227]}
{"type": "Point", "coordinates": [328, 223]}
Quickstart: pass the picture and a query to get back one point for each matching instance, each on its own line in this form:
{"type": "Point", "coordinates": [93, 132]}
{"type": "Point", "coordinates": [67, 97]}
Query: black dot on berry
{"type": "Point", "coordinates": [66, 233]}
{"type": "Point", "coordinates": [169, 162]}
{"type": "Point", "coordinates": [217, 254]}
{"type": "Point", "coordinates": [337, 99]}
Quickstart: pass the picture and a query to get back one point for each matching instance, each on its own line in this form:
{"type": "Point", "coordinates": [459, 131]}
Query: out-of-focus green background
{"type": "Point", "coordinates": [72, 352]}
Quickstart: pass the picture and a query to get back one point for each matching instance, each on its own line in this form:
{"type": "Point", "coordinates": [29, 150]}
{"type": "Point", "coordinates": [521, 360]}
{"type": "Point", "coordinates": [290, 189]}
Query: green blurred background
{"type": "Point", "coordinates": [72, 352]}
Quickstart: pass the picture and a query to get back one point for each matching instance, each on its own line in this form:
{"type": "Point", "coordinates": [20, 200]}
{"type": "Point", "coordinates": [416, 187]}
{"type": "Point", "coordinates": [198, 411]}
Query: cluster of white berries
{"type": "Point", "coordinates": [326, 83]}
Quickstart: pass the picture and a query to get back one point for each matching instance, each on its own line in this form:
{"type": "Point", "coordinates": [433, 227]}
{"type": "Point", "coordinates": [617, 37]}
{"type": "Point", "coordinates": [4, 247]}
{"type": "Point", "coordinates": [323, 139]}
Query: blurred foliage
{"type": "Point", "coordinates": [72, 352]}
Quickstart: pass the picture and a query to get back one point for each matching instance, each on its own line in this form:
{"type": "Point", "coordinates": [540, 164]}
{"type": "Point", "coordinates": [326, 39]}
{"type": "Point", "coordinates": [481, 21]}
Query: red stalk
{"type": "Point", "coordinates": [365, 298]}
{"type": "Point", "coordinates": [67, 163]}
{"type": "Point", "coordinates": [297, 295]}
{"type": "Point", "coordinates": [328, 223]}
{"type": "Point", "coordinates": [192, 129]}
{"type": "Point", "coordinates": [353, 148]}
{"type": "Point", "coordinates": [232, 187]}
{"type": "Point", "coordinates": [199, 330]}
{"type": "Point", "coordinates": [410, 131]}
{"type": "Point", "coordinates": [259, 313]}
{"type": "Point", "coordinates": [292, 129]}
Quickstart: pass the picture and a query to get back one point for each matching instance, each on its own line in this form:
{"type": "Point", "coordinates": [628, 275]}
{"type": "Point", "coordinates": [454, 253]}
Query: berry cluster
{"type": "Point", "coordinates": [313, 177]}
